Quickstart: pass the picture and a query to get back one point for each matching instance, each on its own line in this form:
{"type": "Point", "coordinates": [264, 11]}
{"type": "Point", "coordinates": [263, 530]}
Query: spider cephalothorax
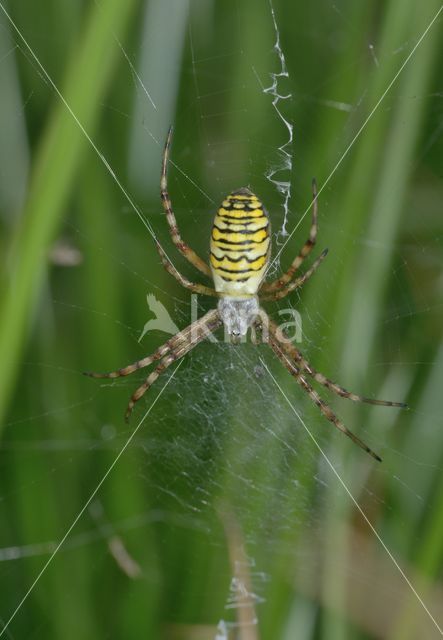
{"type": "Point", "coordinates": [239, 256]}
{"type": "Point", "coordinates": [238, 315]}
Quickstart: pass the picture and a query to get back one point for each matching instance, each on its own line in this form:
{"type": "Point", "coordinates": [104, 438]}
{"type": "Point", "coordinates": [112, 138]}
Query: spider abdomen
{"type": "Point", "coordinates": [240, 244]}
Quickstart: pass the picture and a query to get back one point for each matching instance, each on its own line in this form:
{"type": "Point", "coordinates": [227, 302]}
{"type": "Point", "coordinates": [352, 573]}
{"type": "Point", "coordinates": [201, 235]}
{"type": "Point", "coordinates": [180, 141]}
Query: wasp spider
{"type": "Point", "coordinates": [240, 249]}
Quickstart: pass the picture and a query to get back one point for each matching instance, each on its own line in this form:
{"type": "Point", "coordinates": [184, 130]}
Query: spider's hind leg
{"type": "Point", "coordinates": [279, 283]}
{"type": "Point", "coordinates": [296, 283]}
{"type": "Point", "coordinates": [194, 287]}
{"type": "Point", "coordinates": [184, 249]}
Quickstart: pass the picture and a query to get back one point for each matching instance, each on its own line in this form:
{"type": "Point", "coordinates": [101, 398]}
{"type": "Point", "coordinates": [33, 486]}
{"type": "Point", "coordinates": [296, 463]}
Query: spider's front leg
{"type": "Point", "coordinates": [321, 404]}
{"type": "Point", "coordinates": [172, 350]}
{"type": "Point", "coordinates": [159, 353]}
{"type": "Point", "coordinates": [297, 366]}
{"type": "Point", "coordinates": [304, 366]}
{"type": "Point", "coordinates": [196, 332]}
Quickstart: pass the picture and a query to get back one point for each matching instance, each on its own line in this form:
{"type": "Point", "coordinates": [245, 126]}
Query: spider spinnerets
{"type": "Point", "coordinates": [240, 249]}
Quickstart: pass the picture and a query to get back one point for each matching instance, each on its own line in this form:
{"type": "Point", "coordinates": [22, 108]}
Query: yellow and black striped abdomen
{"type": "Point", "coordinates": [240, 244]}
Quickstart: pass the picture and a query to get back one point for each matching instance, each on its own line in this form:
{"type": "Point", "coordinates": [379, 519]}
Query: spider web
{"type": "Point", "coordinates": [214, 477]}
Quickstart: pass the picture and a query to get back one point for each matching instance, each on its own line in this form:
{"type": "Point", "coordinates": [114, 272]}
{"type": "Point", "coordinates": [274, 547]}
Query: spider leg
{"type": "Point", "coordinates": [196, 332]}
{"type": "Point", "coordinates": [298, 282]}
{"type": "Point", "coordinates": [196, 288]}
{"type": "Point", "coordinates": [182, 337]}
{"type": "Point", "coordinates": [184, 249]}
{"type": "Point", "coordinates": [321, 404]}
{"type": "Point", "coordinates": [130, 368]}
{"type": "Point", "coordinates": [303, 365]}
{"type": "Point", "coordinates": [306, 249]}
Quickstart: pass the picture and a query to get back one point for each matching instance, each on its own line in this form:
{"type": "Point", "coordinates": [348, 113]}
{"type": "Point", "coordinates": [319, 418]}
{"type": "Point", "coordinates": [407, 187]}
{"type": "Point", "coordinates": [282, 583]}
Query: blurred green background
{"type": "Point", "coordinates": [221, 519]}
